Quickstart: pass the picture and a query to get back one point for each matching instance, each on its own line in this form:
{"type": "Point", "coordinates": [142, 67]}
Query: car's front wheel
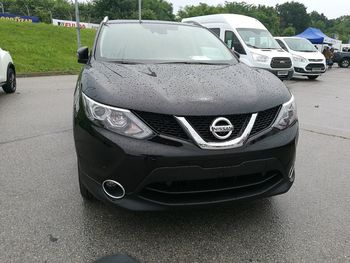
{"type": "Point", "coordinates": [11, 83]}
{"type": "Point", "coordinates": [345, 63]}
{"type": "Point", "coordinates": [312, 77]}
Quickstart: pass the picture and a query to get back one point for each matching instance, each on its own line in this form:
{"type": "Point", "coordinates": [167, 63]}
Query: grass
{"type": "Point", "coordinates": [42, 48]}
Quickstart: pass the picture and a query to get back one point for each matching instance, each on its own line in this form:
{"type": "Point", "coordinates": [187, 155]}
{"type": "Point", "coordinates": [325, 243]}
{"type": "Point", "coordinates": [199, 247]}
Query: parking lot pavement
{"type": "Point", "coordinates": [44, 219]}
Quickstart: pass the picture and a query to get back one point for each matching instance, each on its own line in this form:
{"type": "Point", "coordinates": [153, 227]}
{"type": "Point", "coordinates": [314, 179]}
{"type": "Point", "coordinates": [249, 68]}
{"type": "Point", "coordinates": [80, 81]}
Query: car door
{"type": "Point", "coordinates": [232, 41]}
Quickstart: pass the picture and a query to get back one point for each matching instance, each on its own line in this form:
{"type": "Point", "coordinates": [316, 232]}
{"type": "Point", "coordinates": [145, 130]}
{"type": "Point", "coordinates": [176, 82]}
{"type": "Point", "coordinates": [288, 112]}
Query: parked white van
{"type": "Point", "coordinates": [307, 60]}
{"type": "Point", "coordinates": [251, 40]}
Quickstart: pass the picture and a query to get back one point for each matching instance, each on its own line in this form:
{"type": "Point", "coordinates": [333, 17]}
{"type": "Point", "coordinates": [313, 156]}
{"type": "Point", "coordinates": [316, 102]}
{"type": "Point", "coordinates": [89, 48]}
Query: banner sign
{"type": "Point", "coordinates": [66, 23]}
{"type": "Point", "coordinates": [17, 18]}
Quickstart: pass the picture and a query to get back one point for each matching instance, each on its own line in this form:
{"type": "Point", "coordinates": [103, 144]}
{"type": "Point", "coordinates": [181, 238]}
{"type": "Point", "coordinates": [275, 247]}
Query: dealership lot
{"type": "Point", "coordinates": [44, 219]}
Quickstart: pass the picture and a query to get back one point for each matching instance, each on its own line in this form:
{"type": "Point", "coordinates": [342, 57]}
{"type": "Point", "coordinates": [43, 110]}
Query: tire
{"type": "Point", "coordinates": [344, 63]}
{"type": "Point", "coordinates": [11, 83]}
{"type": "Point", "coordinates": [312, 77]}
{"type": "Point", "coordinates": [85, 193]}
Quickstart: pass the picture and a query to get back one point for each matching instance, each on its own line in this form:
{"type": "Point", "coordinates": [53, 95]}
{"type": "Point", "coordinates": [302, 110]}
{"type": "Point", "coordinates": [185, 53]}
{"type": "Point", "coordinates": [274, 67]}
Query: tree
{"type": "Point", "coordinates": [198, 10]}
{"type": "Point", "coordinates": [267, 15]}
{"type": "Point", "coordinates": [126, 9]}
{"type": "Point", "coordinates": [288, 31]}
{"type": "Point", "coordinates": [293, 14]}
{"type": "Point", "coordinates": [340, 27]}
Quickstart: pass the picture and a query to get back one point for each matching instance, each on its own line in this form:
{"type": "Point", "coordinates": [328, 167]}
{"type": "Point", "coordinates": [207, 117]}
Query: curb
{"type": "Point", "coordinates": [46, 74]}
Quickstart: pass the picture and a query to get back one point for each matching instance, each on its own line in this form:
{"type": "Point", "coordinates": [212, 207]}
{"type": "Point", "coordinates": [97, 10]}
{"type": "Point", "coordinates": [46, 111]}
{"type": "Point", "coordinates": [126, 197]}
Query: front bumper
{"type": "Point", "coordinates": [165, 172]}
{"type": "Point", "coordinates": [304, 72]}
{"type": "Point", "coordinates": [309, 68]}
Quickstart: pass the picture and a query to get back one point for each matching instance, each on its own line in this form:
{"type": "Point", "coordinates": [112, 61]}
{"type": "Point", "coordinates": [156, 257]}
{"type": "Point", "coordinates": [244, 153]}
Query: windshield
{"type": "Point", "coordinates": [161, 43]}
{"type": "Point", "coordinates": [258, 38]}
{"type": "Point", "coordinates": [300, 44]}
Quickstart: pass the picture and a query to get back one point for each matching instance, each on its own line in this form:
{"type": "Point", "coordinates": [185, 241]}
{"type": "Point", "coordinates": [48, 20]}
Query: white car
{"type": "Point", "coordinates": [251, 40]}
{"type": "Point", "coordinates": [7, 72]}
{"type": "Point", "coordinates": [307, 60]}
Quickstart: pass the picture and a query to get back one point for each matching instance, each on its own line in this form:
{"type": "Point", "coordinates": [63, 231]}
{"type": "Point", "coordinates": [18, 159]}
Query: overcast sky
{"type": "Point", "coordinates": [331, 8]}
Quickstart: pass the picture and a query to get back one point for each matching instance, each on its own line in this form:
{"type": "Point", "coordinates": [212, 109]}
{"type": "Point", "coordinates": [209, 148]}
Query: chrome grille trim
{"type": "Point", "coordinates": [235, 143]}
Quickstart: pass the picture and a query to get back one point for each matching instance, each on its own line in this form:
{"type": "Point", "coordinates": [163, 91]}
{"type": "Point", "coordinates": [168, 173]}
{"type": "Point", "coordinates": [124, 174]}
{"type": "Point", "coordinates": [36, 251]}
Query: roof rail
{"type": "Point", "coordinates": [193, 22]}
{"type": "Point", "coordinates": [105, 20]}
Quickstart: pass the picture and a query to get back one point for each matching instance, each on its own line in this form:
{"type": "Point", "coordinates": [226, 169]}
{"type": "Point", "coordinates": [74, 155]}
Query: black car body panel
{"type": "Point", "coordinates": [170, 170]}
{"type": "Point", "coordinates": [181, 89]}
{"type": "Point", "coordinates": [342, 58]}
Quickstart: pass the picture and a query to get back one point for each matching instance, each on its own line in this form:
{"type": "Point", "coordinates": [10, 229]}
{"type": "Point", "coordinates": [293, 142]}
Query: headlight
{"type": "Point", "coordinates": [260, 58]}
{"type": "Point", "coordinates": [287, 115]}
{"type": "Point", "coordinates": [116, 120]}
{"type": "Point", "coordinates": [299, 59]}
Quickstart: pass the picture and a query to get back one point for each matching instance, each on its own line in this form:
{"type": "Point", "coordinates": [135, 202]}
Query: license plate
{"type": "Point", "coordinates": [282, 73]}
{"type": "Point", "coordinates": [316, 69]}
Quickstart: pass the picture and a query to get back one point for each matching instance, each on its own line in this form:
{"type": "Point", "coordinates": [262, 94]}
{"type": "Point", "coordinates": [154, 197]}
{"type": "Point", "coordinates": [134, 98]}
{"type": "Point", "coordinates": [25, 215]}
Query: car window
{"type": "Point", "coordinates": [160, 42]}
{"type": "Point", "coordinates": [216, 31]}
{"type": "Point", "coordinates": [258, 38]}
{"type": "Point", "coordinates": [231, 40]}
{"type": "Point", "coordinates": [300, 44]}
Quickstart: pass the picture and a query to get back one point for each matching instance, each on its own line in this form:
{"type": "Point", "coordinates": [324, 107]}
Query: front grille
{"type": "Point", "coordinates": [316, 60]}
{"type": "Point", "coordinates": [167, 124]}
{"type": "Point", "coordinates": [264, 120]}
{"type": "Point", "coordinates": [202, 123]}
{"type": "Point", "coordinates": [163, 124]}
{"type": "Point", "coordinates": [210, 190]}
{"type": "Point", "coordinates": [312, 66]}
{"type": "Point", "coordinates": [281, 63]}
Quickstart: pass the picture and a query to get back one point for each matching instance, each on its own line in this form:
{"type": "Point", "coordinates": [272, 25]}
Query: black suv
{"type": "Point", "coordinates": [342, 58]}
{"type": "Point", "coordinates": [166, 116]}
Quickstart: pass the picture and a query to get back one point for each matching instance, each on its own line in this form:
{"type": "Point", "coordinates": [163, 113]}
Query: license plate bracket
{"type": "Point", "coordinates": [282, 73]}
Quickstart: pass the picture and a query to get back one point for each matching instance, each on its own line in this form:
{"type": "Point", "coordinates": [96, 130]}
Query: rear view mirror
{"type": "Point", "coordinates": [83, 55]}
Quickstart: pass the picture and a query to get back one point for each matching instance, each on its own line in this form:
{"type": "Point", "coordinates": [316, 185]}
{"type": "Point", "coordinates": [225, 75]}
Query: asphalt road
{"type": "Point", "coordinates": [44, 219]}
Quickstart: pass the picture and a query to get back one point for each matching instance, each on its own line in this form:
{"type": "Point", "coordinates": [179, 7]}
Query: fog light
{"type": "Point", "coordinates": [113, 189]}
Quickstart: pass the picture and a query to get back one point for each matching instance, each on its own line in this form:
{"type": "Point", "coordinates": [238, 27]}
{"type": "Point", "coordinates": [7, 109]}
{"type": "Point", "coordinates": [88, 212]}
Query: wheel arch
{"type": "Point", "coordinates": [12, 66]}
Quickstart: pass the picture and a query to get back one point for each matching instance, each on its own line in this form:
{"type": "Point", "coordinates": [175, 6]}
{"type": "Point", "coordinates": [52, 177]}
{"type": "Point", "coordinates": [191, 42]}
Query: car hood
{"type": "Point", "coordinates": [183, 89]}
{"type": "Point", "coordinates": [271, 52]}
{"type": "Point", "coordinates": [309, 55]}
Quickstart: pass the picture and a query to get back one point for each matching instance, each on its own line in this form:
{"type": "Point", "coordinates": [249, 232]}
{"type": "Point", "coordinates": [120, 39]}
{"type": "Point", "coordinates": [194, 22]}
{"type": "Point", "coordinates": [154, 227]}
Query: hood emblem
{"type": "Point", "coordinates": [221, 128]}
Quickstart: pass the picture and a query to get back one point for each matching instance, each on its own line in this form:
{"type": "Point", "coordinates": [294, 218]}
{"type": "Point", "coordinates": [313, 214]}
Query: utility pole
{"type": "Point", "coordinates": [77, 21]}
{"type": "Point", "coordinates": [140, 11]}
{"type": "Point", "coordinates": [2, 7]}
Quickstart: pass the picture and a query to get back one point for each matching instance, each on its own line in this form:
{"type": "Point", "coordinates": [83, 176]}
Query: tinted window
{"type": "Point", "coordinates": [231, 40]}
{"type": "Point", "coordinates": [216, 31]}
{"type": "Point", "coordinates": [282, 44]}
{"type": "Point", "coordinates": [151, 42]}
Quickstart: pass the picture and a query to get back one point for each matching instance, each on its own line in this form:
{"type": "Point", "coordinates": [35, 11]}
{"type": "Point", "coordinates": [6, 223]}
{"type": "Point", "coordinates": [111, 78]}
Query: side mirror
{"type": "Point", "coordinates": [83, 55]}
{"type": "Point", "coordinates": [235, 52]}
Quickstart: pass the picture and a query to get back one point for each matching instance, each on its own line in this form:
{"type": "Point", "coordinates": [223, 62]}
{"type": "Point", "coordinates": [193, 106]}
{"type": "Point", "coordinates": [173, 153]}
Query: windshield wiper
{"type": "Point", "coordinates": [249, 45]}
{"type": "Point", "coordinates": [121, 61]}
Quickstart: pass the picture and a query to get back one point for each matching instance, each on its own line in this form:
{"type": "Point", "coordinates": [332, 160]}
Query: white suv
{"type": "Point", "coordinates": [7, 72]}
{"type": "Point", "coordinates": [307, 60]}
